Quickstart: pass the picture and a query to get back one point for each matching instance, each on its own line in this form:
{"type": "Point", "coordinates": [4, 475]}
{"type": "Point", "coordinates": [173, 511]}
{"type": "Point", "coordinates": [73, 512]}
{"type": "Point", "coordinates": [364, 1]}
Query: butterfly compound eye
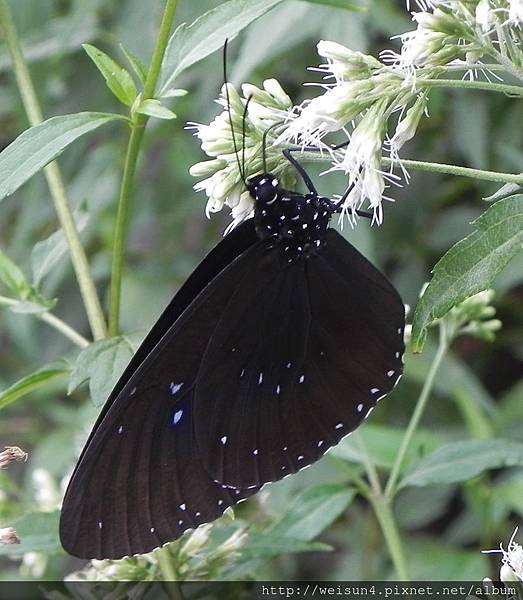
{"type": "Point", "coordinates": [264, 188]}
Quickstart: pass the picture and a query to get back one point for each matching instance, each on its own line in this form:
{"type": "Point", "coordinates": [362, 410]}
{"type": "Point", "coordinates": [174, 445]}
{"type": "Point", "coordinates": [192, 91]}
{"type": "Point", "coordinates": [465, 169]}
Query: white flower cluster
{"type": "Point", "coordinates": [511, 559]}
{"type": "Point", "coordinates": [360, 102]}
{"type": "Point", "coordinates": [377, 104]}
{"type": "Point", "coordinates": [239, 153]}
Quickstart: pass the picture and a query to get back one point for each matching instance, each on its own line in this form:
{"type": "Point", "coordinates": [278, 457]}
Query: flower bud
{"type": "Point", "coordinates": [9, 536]}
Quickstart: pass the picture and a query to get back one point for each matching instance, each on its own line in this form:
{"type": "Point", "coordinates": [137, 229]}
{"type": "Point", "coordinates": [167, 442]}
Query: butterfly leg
{"type": "Point", "coordinates": [336, 206]}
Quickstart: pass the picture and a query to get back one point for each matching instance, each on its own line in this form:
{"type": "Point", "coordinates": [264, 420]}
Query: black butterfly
{"type": "Point", "coordinates": [278, 345]}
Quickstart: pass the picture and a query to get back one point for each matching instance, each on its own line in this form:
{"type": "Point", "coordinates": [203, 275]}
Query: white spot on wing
{"type": "Point", "coordinates": [152, 530]}
{"type": "Point", "coordinates": [302, 378]}
{"type": "Point", "coordinates": [339, 426]}
{"type": "Point", "coordinates": [175, 387]}
{"type": "Point", "coordinates": [220, 502]}
{"type": "Point", "coordinates": [255, 451]}
{"type": "Point", "coordinates": [374, 391]}
{"type": "Point", "coordinates": [320, 443]}
{"type": "Point", "coordinates": [359, 407]}
{"type": "Point", "coordinates": [390, 373]}
{"type": "Point", "coordinates": [300, 457]}
{"type": "Point", "coordinates": [99, 524]}
{"type": "Point", "coordinates": [278, 390]}
{"type": "Point", "coordinates": [120, 429]}
{"type": "Point", "coordinates": [131, 393]}
{"type": "Point", "coordinates": [289, 365]}
{"type": "Point", "coordinates": [260, 379]}
{"type": "Point", "coordinates": [183, 506]}
{"type": "Point", "coordinates": [224, 440]}
{"type": "Point", "coordinates": [177, 416]}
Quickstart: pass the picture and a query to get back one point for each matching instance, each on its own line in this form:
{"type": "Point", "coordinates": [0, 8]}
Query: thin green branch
{"type": "Point", "coordinates": [47, 317]}
{"type": "Point", "coordinates": [415, 419]}
{"type": "Point", "coordinates": [431, 167]}
{"type": "Point", "coordinates": [138, 124]}
{"type": "Point", "coordinates": [391, 534]}
{"type": "Point", "coordinates": [54, 179]}
{"type": "Point", "coordinates": [368, 463]}
{"type": "Point", "coordinates": [419, 165]}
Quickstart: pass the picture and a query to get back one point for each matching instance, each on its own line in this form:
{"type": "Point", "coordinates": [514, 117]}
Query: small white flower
{"type": "Point", "coordinates": [344, 64]}
{"type": "Point", "coordinates": [11, 454]}
{"type": "Point", "coordinates": [405, 131]}
{"type": "Point", "coordinates": [8, 536]}
{"type": "Point", "coordinates": [515, 12]}
{"type": "Point", "coordinates": [362, 163]}
{"type": "Point", "coordinates": [327, 113]}
{"type": "Point", "coordinates": [47, 494]}
{"type": "Point", "coordinates": [512, 560]}
{"type": "Point", "coordinates": [484, 16]}
{"type": "Point", "coordinates": [238, 154]}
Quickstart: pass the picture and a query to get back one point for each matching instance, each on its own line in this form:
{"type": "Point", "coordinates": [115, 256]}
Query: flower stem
{"type": "Point", "coordinates": [138, 124]}
{"type": "Point", "coordinates": [418, 165]}
{"type": "Point", "coordinates": [54, 322]}
{"type": "Point", "coordinates": [443, 345]}
{"type": "Point", "coordinates": [511, 90]}
{"type": "Point", "coordinates": [369, 465]}
{"type": "Point", "coordinates": [54, 179]}
{"type": "Point", "coordinates": [391, 534]}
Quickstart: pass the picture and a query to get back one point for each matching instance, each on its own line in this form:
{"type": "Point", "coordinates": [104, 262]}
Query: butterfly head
{"type": "Point", "coordinates": [264, 188]}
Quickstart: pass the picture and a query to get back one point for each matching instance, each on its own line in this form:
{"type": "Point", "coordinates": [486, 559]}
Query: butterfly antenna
{"type": "Point", "coordinates": [236, 153]}
{"type": "Point", "coordinates": [264, 143]}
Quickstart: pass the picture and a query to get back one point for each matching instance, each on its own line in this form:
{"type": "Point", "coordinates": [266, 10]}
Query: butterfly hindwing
{"type": "Point", "coordinates": [300, 356]}
{"type": "Point", "coordinates": [140, 481]}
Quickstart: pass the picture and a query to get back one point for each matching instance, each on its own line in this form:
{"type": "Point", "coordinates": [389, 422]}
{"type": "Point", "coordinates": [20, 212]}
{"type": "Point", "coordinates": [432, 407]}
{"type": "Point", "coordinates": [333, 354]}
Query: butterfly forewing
{"type": "Point", "coordinates": [140, 481]}
{"type": "Point", "coordinates": [300, 355]}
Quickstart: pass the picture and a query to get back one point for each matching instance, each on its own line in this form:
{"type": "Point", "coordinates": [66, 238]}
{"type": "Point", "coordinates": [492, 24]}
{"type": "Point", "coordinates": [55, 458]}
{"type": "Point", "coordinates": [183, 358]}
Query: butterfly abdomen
{"type": "Point", "coordinates": [297, 222]}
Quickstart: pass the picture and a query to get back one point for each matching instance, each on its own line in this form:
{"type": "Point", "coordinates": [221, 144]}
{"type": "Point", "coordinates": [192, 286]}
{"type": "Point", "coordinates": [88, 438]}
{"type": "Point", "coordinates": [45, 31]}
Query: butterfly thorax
{"type": "Point", "coordinates": [298, 222]}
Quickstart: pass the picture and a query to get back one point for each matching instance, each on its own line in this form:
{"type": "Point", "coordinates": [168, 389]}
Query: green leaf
{"type": "Point", "coordinates": [34, 305]}
{"type": "Point", "coordinates": [118, 80]}
{"type": "Point", "coordinates": [339, 4]}
{"type": "Point", "coordinates": [461, 461]}
{"type": "Point", "coordinates": [38, 146]}
{"type": "Point", "coordinates": [509, 189]}
{"type": "Point", "coordinates": [154, 108]}
{"type": "Point", "coordinates": [175, 93]}
{"type": "Point", "coordinates": [313, 511]}
{"type": "Point", "coordinates": [101, 364]}
{"type": "Point", "coordinates": [191, 43]}
{"type": "Point", "coordinates": [48, 253]}
{"type": "Point", "coordinates": [38, 532]}
{"type": "Point", "coordinates": [470, 265]}
{"type": "Point", "coordinates": [268, 546]}
{"type": "Point", "coordinates": [13, 277]}
{"type": "Point", "coordinates": [137, 65]}
{"type": "Point", "coordinates": [32, 382]}
{"type": "Point", "coordinates": [383, 444]}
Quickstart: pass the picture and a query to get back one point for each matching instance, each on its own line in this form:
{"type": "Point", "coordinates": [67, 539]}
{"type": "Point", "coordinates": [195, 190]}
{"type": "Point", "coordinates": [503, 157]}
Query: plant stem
{"type": "Point", "coordinates": [169, 574]}
{"type": "Point", "coordinates": [443, 345]}
{"type": "Point", "coordinates": [512, 90]}
{"type": "Point", "coordinates": [54, 322]}
{"type": "Point", "coordinates": [54, 179]}
{"type": "Point", "coordinates": [138, 124]}
{"type": "Point", "coordinates": [391, 534]}
{"type": "Point", "coordinates": [418, 165]}
{"type": "Point", "coordinates": [369, 465]}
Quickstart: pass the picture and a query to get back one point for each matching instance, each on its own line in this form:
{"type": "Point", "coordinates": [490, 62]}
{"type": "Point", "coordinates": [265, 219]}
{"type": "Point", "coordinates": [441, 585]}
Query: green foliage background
{"type": "Point", "coordinates": [448, 509]}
